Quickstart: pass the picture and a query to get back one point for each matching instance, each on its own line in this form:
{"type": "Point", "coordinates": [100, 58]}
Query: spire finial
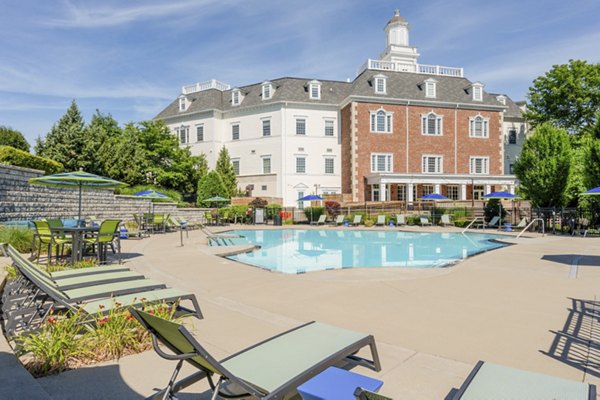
{"type": "Point", "coordinates": [396, 12]}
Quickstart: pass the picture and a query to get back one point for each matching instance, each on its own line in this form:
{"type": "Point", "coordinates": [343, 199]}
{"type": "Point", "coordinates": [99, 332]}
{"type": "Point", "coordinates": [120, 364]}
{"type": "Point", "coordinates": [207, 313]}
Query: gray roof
{"type": "Point", "coordinates": [400, 86]}
{"type": "Point", "coordinates": [410, 86]}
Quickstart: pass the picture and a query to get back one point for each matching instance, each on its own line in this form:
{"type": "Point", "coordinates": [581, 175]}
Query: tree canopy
{"type": "Point", "coordinates": [210, 186]}
{"type": "Point", "coordinates": [544, 166]}
{"type": "Point", "coordinates": [13, 138]}
{"type": "Point", "coordinates": [568, 96]}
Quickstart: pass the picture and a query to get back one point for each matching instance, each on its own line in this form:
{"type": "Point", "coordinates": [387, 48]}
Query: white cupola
{"type": "Point", "coordinates": [397, 43]}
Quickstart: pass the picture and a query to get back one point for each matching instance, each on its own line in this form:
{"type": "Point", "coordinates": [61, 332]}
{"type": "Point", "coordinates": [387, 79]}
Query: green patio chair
{"type": "Point", "coordinates": [45, 237]}
{"type": "Point", "coordinates": [108, 235]}
{"type": "Point", "coordinates": [271, 369]}
{"type": "Point", "coordinates": [159, 222]}
{"type": "Point", "coordinates": [363, 394]}
{"type": "Point", "coordinates": [30, 312]}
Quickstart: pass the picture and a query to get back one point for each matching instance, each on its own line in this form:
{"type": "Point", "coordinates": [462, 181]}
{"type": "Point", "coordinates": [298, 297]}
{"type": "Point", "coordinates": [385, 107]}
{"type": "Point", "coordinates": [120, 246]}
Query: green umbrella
{"type": "Point", "coordinates": [216, 199]}
{"type": "Point", "coordinates": [77, 179]}
{"type": "Point", "coordinates": [151, 194]}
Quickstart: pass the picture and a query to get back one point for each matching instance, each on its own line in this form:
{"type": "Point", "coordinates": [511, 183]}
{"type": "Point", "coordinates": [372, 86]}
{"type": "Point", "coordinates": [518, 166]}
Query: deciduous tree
{"type": "Point", "coordinates": [13, 138]}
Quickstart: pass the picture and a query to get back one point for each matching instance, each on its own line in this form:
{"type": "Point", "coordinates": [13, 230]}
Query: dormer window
{"type": "Point", "coordinates": [380, 84]}
{"type": "Point", "coordinates": [430, 88]}
{"type": "Point", "coordinates": [477, 91]}
{"type": "Point", "coordinates": [501, 99]}
{"type": "Point", "coordinates": [183, 104]}
{"type": "Point", "coordinates": [236, 97]}
{"type": "Point", "coordinates": [314, 90]}
{"type": "Point", "coordinates": [267, 90]}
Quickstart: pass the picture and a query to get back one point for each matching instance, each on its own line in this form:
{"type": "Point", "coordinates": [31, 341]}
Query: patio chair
{"type": "Point", "coordinates": [357, 220]}
{"type": "Point", "coordinates": [495, 382]}
{"type": "Point", "coordinates": [45, 237]}
{"type": "Point", "coordinates": [425, 221]}
{"type": "Point", "coordinates": [445, 220]}
{"type": "Point", "coordinates": [29, 312]}
{"type": "Point", "coordinates": [271, 369]}
{"type": "Point", "coordinates": [400, 219]}
{"type": "Point", "coordinates": [521, 225]}
{"type": "Point", "coordinates": [363, 394]}
{"type": "Point", "coordinates": [339, 220]}
{"type": "Point", "coordinates": [159, 223]}
{"type": "Point", "coordinates": [106, 236]}
{"type": "Point", "coordinates": [320, 221]}
{"type": "Point", "coordinates": [493, 222]}
{"type": "Point", "coordinates": [380, 220]}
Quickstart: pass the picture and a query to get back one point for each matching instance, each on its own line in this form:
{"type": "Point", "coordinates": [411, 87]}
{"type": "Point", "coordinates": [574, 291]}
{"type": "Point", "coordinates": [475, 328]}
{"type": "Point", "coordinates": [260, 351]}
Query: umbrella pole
{"type": "Point", "coordinates": [79, 217]}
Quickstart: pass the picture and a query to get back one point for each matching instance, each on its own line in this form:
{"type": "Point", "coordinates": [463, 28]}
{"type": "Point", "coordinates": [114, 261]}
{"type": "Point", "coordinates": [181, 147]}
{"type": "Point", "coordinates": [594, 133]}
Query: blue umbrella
{"type": "Point", "coordinates": [595, 190]}
{"type": "Point", "coordinates": [151, 194]}
{"type": "Point", "coordinates": [434, 196]}
{"type": "Point", "coordinates": [310, 197]}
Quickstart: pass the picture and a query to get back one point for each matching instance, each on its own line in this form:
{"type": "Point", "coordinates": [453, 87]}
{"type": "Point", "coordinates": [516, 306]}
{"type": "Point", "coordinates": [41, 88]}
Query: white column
{"type": "Point", "coordinates": [488, 189]}
{"type": "Point", "coordinates": [463, 192]}
{"type": "Point", "coordinates": [511, 189]}
{"type": "Point", "coordinates": [437, 188]}
{"type": "Point", "coordinates": [383, 192]}
{"type": "Point", "coordinates": [409, 192]}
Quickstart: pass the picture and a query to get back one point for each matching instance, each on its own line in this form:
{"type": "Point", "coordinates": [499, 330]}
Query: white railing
{"type": "Point", "coordinates": [472, 222]}
{"type": "Point", "coordinates": [531, 223]}
{"type": "Point", "coordinates": [200, 86]}
{"type": "Point", "coordinates": [439, 70]}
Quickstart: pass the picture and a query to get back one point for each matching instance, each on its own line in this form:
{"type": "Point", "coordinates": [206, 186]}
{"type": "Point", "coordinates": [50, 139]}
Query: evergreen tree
{"type": "Point", "coordinates": [99, 147]}
{"type": "Point", "coordinates": [224, 168]}
{"type": "Point", "coordinates": [13, 138]}
{"type": "Point", "coordinates": [544, 166]}
{"type": "Point", "coordinates": [210, 186]}
{"type": "Point", "coordinates": [66, 141]}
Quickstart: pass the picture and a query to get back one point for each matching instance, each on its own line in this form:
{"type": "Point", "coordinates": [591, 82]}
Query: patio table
{"type": "Point", "coordinates": [77, 234]}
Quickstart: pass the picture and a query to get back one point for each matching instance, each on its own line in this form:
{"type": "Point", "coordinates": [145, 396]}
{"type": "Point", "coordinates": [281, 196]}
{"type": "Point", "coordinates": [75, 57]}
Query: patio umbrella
{"type": "Point", "coordinates": [151, 194]}
{"type": "Point", "coordinates": [77, 179]}
{"type": "Point", "coordinates": [216, 199]}
{"type": "Point", "coordinates": [500, 196]}
{"type": "Point", "coordinates": [311, 197]}
{"type": "Point", "coordinates": [593, 191]}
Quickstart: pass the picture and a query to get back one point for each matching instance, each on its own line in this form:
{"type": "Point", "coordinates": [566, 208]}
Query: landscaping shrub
{"type": "Point", "coordinates": [314, 212]}
{"type": "Point", "coordinates": [258, 203]}
{"type": "Point", "coordinates": [491, 209]}
{"type": "Point", "coordinates": [333, 208]}
{"type": "Point", "coordinates": [20, 238]}
{"type": "Point", "coordinates": [11, 156]}
{"type": "Point", "coordinates": [272, 210]}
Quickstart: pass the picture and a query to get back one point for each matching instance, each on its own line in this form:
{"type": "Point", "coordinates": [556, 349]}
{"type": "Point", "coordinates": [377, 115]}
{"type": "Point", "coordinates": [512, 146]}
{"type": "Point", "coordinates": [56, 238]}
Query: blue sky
{"type": "Point", "coordinates": [130, 58]}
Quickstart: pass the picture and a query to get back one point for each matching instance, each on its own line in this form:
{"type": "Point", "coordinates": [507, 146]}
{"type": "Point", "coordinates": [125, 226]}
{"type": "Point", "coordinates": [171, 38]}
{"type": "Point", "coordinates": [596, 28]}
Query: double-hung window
{"type": "Point", "coordinates": [300, 165]}
{"type": "Point", "coordinates": [432, 164]}
{"type": "Point", "coordinates": [381, 121]}
{"type": "Point", "coordinates": [300, 126]}
{"type": "Point", "coordinates": [183, 133]}
{"type": "Point", "coordinates": [380, 84]}
{"type": "Point", "coordinates": [266, 161]}
{"type": "Point", "coordinates": [236, 97]}
{"type": "Point", "coordinates": [430, 88]}
{"type": "Point", "coordinates": [479, 165]}
{"type": "Point", "coordinates": [431, 124]}
{"type": "Point", "coordinates": [236, 166]}
{"type": "Point", "coordinates": [329, 162]}
{"type": "Point", "coordinates": [381, 162]}
{"type": "Point", "coordinates": [479, 127]}
{"type": "Point", "coordinates": [235, 132]}
{"type": "Point", "coordinates": [199, 133]}
{"type": "Point", "coordinates": [266, 127]}
{"type": "Point", "coordinates": [314, 90]}
{"type": "Point", "coordinates": [329, 127]}
{"type": "Point", "coordinates": [512, 136]}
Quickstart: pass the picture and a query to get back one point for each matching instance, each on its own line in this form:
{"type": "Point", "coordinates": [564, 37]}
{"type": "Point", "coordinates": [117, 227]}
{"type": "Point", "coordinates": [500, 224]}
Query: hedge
{"type": "Point", "coordinates": [11, 156]}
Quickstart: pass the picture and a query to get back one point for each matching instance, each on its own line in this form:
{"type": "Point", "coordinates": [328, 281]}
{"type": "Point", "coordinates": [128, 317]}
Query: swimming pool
{"type": "Point", "coordinates": [302, 250]}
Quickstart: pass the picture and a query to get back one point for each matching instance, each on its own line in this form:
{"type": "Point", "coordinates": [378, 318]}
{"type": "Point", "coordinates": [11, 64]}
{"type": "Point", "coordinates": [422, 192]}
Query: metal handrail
{"type": "Point", "coordinates": [531, 223]}
{"type": "Point", "coordinates": [472, 222]}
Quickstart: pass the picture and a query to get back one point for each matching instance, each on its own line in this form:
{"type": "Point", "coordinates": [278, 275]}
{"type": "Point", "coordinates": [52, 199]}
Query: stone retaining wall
{"type": "Point", "coordinates": [21, 201]}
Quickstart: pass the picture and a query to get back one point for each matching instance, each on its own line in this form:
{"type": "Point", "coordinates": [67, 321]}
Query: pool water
{"type": "Point", "coordinates": [298, 251]}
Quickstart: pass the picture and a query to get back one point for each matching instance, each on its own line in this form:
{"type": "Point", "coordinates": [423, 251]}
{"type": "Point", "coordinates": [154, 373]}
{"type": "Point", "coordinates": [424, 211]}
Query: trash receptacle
{"type": "Point", "coordinates": [277, 220]}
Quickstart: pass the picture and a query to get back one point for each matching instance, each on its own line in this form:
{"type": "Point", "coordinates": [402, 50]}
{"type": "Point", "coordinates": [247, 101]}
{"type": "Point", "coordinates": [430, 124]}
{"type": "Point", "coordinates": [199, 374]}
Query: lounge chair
{"type": "Point", "coordinates": [425, 221]}
{"type": "Point", "coordinates": [271, 369]}
{"type": "Point", "coordinates": [380, 220]}
{"type": "Point", "coordinates": [521, 225]}
{"type": "Point", "coordinates": [357, 220]}
{"type": "Point", "coordinates": [320, 221]}
{"type": "Point", "coordinates": [339, 220]}
{"type": "Point", "coordinates": [445, 220]}
{"type": "Point", "coordinates": [27, 311]}
{"type": "Point", "coordinates": [400, 220]}
{"type": "Point", "coordinates": [493, 222]}
{"type": "Point", "coordinates": [495, 382]}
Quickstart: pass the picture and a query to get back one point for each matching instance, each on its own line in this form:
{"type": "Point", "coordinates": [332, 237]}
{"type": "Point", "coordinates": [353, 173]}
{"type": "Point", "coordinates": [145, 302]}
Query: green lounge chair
{"type": "Point", "coordinates": [320, 221]}
{"type": "Point", "coordinates": [270, 369]}
{"type": "Point", "coordinates": [27, 314]}
{"type": "Point", "coordinates": [400, 219]}
{"type": "Point", "coordinates": [380, 220]}
{"type": "Point", "coordinates": [362, 394]}
{"type": "Point", "coordinates": [496, 382]}
{"type": "Point", "coordinates": [425, 221]}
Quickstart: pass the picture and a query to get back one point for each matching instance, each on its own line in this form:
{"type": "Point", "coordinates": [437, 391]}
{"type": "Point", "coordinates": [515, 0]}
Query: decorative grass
{"type": "Point", "coordinates": [20, 238]}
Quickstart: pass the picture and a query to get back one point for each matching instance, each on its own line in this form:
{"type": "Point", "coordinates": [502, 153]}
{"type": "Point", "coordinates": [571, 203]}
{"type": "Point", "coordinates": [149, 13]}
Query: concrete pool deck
{"type": "Point", "coordinates": [431, 325]}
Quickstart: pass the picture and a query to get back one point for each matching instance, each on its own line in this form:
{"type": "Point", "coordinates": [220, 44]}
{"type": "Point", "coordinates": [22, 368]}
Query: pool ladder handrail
{"type": "Point", "coordinates": [472, 222]}
{"type": "Point", "coordinates": [531, 223]}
